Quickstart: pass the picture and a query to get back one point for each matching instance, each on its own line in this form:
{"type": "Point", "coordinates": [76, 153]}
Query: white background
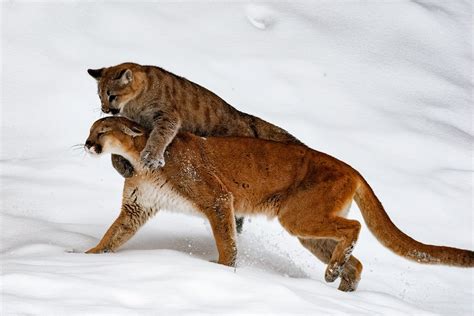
{"type": "Point", "coordinates": [384, 85]}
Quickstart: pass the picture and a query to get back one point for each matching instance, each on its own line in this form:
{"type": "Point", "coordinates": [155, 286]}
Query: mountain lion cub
{"type": "Point", "coordinates": [308, 191]}
{"type": "Point", "coordinates": [165, 104]}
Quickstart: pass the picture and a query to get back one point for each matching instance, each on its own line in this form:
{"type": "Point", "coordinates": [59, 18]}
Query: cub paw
{"type": "Point", "coordinates": [151, 161]}
{"type": "Point", "coordinates": [123, 166]}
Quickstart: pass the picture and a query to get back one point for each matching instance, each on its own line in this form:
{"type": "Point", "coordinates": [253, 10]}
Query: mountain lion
{"type": "Point", "coordinates": [308, 191]}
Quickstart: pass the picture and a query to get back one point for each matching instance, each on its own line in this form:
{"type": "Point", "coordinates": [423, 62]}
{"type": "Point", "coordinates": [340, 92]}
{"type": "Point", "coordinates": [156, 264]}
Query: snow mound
{"type": "Point", "coordinates": [260, 16]}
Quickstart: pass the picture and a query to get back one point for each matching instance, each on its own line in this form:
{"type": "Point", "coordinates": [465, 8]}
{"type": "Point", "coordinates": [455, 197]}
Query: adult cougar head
{"type": "Point", "coordinates": [116, 135]}
{"type": "Point", "coordinates": [117, 85]}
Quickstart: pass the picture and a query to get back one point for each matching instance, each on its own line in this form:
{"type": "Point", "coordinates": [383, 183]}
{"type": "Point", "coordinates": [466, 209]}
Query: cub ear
{"type": "Point", "coordinates": [126, 76]}
{"type": "Point", "coordinates": [95, 73]}
{"type": "Point", "coordinates": [133, 131]}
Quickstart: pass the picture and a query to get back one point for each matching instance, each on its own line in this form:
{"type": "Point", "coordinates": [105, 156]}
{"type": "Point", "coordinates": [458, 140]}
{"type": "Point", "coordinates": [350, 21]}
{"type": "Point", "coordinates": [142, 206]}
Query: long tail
{"type": "Point", "coordinates": [391, 237]}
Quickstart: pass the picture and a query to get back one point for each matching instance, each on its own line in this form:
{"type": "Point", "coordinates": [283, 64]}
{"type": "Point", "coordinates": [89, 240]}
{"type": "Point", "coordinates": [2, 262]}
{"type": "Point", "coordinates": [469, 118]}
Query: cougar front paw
{"type": "Point", "coordinates": [151, 161]}
{"type": "Point", "coordinates": [98, 250]}
{"type": "Point", "coordinates": [229, 263]}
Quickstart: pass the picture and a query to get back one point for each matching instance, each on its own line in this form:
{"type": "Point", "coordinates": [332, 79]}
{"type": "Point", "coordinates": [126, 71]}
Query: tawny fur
{"type": "Point", "coordinates": [308, 191]}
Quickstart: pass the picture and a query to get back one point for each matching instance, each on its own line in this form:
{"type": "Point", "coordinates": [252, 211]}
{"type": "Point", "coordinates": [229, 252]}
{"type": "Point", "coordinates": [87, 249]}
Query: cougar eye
{"type": "Point", "coordinates": [112, 98]}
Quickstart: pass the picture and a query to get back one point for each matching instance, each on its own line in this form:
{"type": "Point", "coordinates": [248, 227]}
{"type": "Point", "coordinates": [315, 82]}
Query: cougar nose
{"type": "Point", "coordinates": [88, 144]}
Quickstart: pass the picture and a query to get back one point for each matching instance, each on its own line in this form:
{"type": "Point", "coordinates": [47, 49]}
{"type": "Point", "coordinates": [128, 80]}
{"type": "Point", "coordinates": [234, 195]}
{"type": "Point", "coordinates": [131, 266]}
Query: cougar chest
{"type": "Point", "coordinates": [160, 195]}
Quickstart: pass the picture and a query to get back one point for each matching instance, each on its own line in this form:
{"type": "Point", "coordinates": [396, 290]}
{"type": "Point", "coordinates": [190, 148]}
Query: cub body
{"type": "Point", "coordinates": [165, 103]}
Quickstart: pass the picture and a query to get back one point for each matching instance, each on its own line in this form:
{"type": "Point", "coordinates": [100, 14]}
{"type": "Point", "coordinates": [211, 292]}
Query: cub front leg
{"type": "Point", "coordinates": [122, 165]}
{"type": "Point", "coordinates": [166, 125]}
{"type": "Point", "coordinates": [131, 218]}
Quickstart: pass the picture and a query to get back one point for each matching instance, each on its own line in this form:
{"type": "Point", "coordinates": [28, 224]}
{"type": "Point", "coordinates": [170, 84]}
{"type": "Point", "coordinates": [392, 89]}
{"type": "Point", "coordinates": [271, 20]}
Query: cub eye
{"type": "Point", "coordinates": [112, 98]}
{"type": "Point", "coordinates": [100, 134]}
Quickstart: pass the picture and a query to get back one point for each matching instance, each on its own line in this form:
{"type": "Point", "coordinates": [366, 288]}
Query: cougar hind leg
{"type": "Point", "coordinates": [343, 231]}
{"type": "Point", "coordinates": [323, 249]}
{"type": "Point", "coordinates": [315, 213]}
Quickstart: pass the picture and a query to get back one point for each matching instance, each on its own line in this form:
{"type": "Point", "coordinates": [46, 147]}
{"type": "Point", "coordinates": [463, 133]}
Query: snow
{"type": "Point", "coordinates": [385, 86]}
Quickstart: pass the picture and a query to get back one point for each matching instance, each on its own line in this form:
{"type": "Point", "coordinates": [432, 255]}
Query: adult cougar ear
{"type": "Point", "coordinates": [134, 131]}
{"type": "Point", "coordinates": [126, 76]}
{"type": "Point", "coordinates": [95, 73]}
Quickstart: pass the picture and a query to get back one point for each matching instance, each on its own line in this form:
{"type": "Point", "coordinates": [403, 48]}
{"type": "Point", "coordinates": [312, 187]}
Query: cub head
{"type": "Point", "coordinates": [116, 135]}
{"type": "Point", "coordinates": [118, 85]}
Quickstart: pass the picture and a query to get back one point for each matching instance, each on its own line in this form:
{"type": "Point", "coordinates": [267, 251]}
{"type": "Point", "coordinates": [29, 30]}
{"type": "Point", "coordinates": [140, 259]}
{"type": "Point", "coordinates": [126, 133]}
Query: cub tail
{"type": "Point", "coordinates": [391, 237]}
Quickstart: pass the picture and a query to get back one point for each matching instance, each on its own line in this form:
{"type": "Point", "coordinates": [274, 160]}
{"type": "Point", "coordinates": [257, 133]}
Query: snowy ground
{"type": "Point", "coordinates": [383, 85]}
